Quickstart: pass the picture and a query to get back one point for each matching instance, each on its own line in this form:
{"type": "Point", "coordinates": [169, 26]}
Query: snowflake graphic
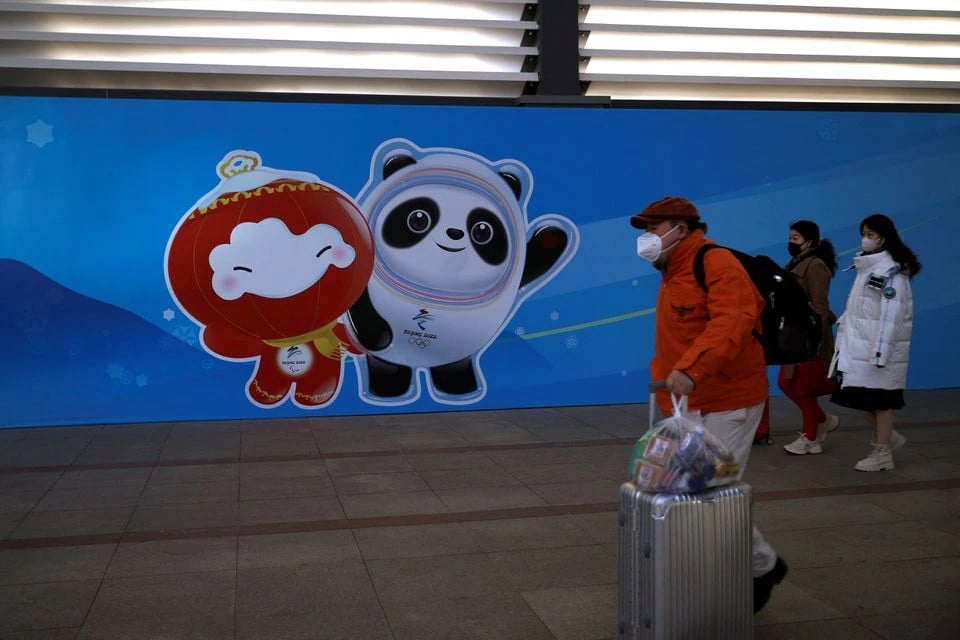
{"type": "Point", "coordinates": [39, 133]}
{"type": "Point", "coordinates": [571, 342]}
{"type": "Point", "coordinates": [168, 314]}
{"type": "Point", "coordinates": [520, 331]}
{"type": "Point", "coordinates": [126, 377]}
{"type": "Point", "coordinates": [115, 370]}
{"type": "Point", "coordinates": [554, 316]}
{"type": "Point", "coordinates": [828, 130]}
{"type": "Point", "coordinates": [141, 380]}
{"type": "Point", "coordinates": [206, 364]}
{"type": "Point", "coordinates": [185, 333]}
{"type": "Point", "coordinates": [74, 350]}
{"type": "Point", "coordinates": [623, 372]}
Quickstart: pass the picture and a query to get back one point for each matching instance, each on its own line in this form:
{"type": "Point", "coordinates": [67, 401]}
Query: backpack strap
{"type": "Point", "coordinates": [701, 277]}
{"type": "Point", "coordinates": [698, 271]}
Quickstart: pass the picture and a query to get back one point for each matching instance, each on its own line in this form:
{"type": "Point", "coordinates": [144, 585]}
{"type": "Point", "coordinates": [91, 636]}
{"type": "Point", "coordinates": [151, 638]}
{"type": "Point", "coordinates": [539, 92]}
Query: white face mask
{"type": "Point", "coordinates": [869, 244]}
{"type": "Point", "coordinates": [650, 245]}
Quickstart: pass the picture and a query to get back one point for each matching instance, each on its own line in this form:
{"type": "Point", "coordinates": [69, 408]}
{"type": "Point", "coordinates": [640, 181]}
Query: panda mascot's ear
{"type": "Point", "coordinates": [513, 182]}
{"type": "Point", "coordinates": [394, 163]}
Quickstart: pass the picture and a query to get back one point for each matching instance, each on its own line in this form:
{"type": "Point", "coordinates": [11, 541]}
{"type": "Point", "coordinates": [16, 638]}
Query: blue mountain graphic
{"type": "Point", "coordinates": [71, 359]}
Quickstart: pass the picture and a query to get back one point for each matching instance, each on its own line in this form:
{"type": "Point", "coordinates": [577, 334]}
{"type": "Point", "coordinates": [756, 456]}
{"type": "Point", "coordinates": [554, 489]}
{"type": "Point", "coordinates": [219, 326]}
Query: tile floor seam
{"type": "Point", "coordinates": [300, 457]}
{"type": "Point", "coordinates": [28, 584]}
{"type": "Point", "coordinates": [400, 451]}
{"type": "Point", "coordinates": [412, 519]}
{"type": "Point", "coordinates": [116, 546]}
{"type": "Point", "coordinates": [32, 508]}
{"type": "Point", "coordinates": [96, 593]}
{"type": "Point", "coordinates": [373, 584]}
{"type": "Point", "coordinates": [518, 591]}
{"type": "Point", "coordinates": [236, 590]}
{"type": "Point", "coordinates": [860, 619]}
{"type": "Point", "coordinates": [20, 521]}
{"type": "Point", "coordinates": [236, 566]}
{"type": "Point", "coordinates": [824, 619]}
{"type": "Point", "coordinates": [879, 636]}
{"type": "Point", "coordinates": [343, 507]}
{"type": "Point", "coordinates": [513, 475]}
{"type": "Point", "coordinates": [429, 488]}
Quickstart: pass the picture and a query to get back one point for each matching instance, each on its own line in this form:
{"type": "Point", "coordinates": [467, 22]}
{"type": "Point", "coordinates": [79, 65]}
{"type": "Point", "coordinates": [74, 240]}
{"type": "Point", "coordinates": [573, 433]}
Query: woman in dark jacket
{"type": "Point", "coordinates": [813, 262]}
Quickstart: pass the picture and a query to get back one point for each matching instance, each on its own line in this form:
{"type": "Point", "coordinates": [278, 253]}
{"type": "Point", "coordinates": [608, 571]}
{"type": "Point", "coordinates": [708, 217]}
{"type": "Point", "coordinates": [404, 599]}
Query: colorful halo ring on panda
{"type": "Point", "coordinates": [505, 205]}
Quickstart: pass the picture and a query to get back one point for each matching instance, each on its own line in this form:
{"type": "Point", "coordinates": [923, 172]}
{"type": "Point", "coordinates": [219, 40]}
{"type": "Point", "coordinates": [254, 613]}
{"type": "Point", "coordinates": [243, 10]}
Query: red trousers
{"type": "Point", "coordinates": [808, 381]}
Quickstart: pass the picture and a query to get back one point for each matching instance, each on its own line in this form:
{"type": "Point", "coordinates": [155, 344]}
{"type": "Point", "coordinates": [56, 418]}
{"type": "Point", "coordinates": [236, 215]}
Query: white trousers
{"type": "Point", "coordinates": [736, 429]}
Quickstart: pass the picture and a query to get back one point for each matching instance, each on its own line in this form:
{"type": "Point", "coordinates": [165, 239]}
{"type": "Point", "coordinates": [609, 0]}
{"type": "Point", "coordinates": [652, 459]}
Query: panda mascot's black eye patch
{"type": "Point", "coordinates": [488, 236]}
{"type": "Point", "coordinates": [410, 222]}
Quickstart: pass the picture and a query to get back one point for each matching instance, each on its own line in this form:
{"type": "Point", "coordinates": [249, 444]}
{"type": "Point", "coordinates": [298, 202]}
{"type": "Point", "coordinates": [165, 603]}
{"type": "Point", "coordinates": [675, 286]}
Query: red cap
{"type": "Point", "coordinates": [669, 208]}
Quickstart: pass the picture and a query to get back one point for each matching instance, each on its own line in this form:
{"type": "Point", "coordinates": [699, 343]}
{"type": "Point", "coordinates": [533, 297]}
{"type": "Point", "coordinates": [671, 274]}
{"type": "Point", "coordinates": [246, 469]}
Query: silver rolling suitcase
{"type": "Point", "coordinates": [685, 566]}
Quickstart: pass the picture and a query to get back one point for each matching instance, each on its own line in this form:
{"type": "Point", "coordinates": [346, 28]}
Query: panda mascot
{"type": "Point", "coordinates": [454, 257]}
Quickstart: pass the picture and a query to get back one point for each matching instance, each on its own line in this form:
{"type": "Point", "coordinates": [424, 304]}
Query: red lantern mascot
{"type": "Point", "coordinates": [266, 264]}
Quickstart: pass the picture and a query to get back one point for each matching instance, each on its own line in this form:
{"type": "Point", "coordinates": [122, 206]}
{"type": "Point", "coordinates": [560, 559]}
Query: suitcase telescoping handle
{"type": "Point", "coordinates": [656, 385]}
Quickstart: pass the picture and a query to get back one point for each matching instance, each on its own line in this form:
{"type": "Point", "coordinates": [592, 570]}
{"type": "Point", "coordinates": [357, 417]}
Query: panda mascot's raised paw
{"type": "Point", "coordinates": [454, 258]}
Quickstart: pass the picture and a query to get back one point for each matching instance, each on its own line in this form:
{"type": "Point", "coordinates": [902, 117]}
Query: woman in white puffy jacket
{"type": "Point", "coordinates": [873, 336]}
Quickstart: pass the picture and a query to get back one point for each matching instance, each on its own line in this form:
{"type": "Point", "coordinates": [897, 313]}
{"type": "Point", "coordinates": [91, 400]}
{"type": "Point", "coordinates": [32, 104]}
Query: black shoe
{"type": "Point", "coordinates": [763, 441]}
{"type": "Point", "coordinates": [763, 585]}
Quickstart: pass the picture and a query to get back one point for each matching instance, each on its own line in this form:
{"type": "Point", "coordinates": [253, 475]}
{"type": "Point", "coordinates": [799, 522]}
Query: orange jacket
{"type": "Point", "coordinates": [709, 335]}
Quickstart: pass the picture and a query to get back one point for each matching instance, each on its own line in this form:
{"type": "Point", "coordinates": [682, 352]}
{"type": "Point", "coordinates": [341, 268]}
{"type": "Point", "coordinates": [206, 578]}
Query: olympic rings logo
{"type": "Point", "coordinates": [420, 343]}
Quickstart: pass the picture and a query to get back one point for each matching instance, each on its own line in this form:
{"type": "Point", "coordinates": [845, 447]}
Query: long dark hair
{"type": "Point", "coordinates": [899, 251]}
{"type": "Point", "coordinates": [822, 248]}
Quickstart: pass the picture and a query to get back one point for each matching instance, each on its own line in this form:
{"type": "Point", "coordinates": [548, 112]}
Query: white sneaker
{"type": "Point", "coordinates": [878, 460]}
{"type": "Point", "coordinates": [802, 446]}
{"type": "Point", "coordinates": [896, 440]}
{"type": "Point", "coordinates": [828, 425]}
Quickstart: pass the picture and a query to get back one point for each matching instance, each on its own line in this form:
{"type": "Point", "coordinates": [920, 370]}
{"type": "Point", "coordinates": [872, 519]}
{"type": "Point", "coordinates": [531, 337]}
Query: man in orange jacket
{"type": "Point", "coordinates": [705, 344]}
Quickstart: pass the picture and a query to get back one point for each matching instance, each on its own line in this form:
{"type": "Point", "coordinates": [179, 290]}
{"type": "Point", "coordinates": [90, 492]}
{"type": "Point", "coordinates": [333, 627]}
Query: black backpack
{"type": "Point", "coordinates": [792, 330]}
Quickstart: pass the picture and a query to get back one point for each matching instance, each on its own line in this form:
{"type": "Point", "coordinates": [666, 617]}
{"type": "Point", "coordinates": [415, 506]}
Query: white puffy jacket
{"type": "Point", "coordinates": [873, 334]}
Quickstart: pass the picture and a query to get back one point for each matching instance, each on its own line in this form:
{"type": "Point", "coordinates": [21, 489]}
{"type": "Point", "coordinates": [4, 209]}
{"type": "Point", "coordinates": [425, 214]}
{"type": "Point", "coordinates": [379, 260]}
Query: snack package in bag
{"type": "Point", "coordinates": [678, 455]}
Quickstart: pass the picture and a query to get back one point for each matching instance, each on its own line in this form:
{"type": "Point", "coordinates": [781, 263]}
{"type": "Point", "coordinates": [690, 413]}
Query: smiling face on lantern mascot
{"type": "Point", "coordinates": [455, 257]}
{"type": "Point", "coordinates": [266, 263]}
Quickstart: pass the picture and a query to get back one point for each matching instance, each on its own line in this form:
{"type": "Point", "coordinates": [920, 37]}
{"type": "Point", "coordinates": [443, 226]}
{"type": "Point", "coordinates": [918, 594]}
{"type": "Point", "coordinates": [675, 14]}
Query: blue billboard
{"type": "Point", "coordinates": [184, 260]}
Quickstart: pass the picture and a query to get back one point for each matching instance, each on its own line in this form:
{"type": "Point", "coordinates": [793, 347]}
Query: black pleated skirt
{"type": "Point", "coordinates": [864, 399]}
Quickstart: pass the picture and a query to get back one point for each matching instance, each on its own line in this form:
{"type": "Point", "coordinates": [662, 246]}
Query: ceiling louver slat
{"type": "Point", "coordinates": [391, 47]}
{"type": "Point", "coordinates": [777, 50]}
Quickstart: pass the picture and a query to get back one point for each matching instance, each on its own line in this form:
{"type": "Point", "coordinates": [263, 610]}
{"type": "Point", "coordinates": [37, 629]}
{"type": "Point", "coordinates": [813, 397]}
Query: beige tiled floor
{"type": "Point", "coordinates": [466, 525]}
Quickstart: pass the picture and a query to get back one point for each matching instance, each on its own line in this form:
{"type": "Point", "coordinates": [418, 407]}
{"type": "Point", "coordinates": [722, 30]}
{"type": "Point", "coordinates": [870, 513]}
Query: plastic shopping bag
{"type": "Point", "coordinates": [678, 455]}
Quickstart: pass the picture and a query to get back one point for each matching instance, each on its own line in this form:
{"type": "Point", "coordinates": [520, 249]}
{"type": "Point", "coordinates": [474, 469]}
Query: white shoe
{"type": "Point", "coordinates": [828, 425]}
{"type": "Point", "coordinates": [896, 440]}
{"type": "Point", "coordinates": [802, 446]}
{"type": "Point", "coordinates": [878, 460]}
